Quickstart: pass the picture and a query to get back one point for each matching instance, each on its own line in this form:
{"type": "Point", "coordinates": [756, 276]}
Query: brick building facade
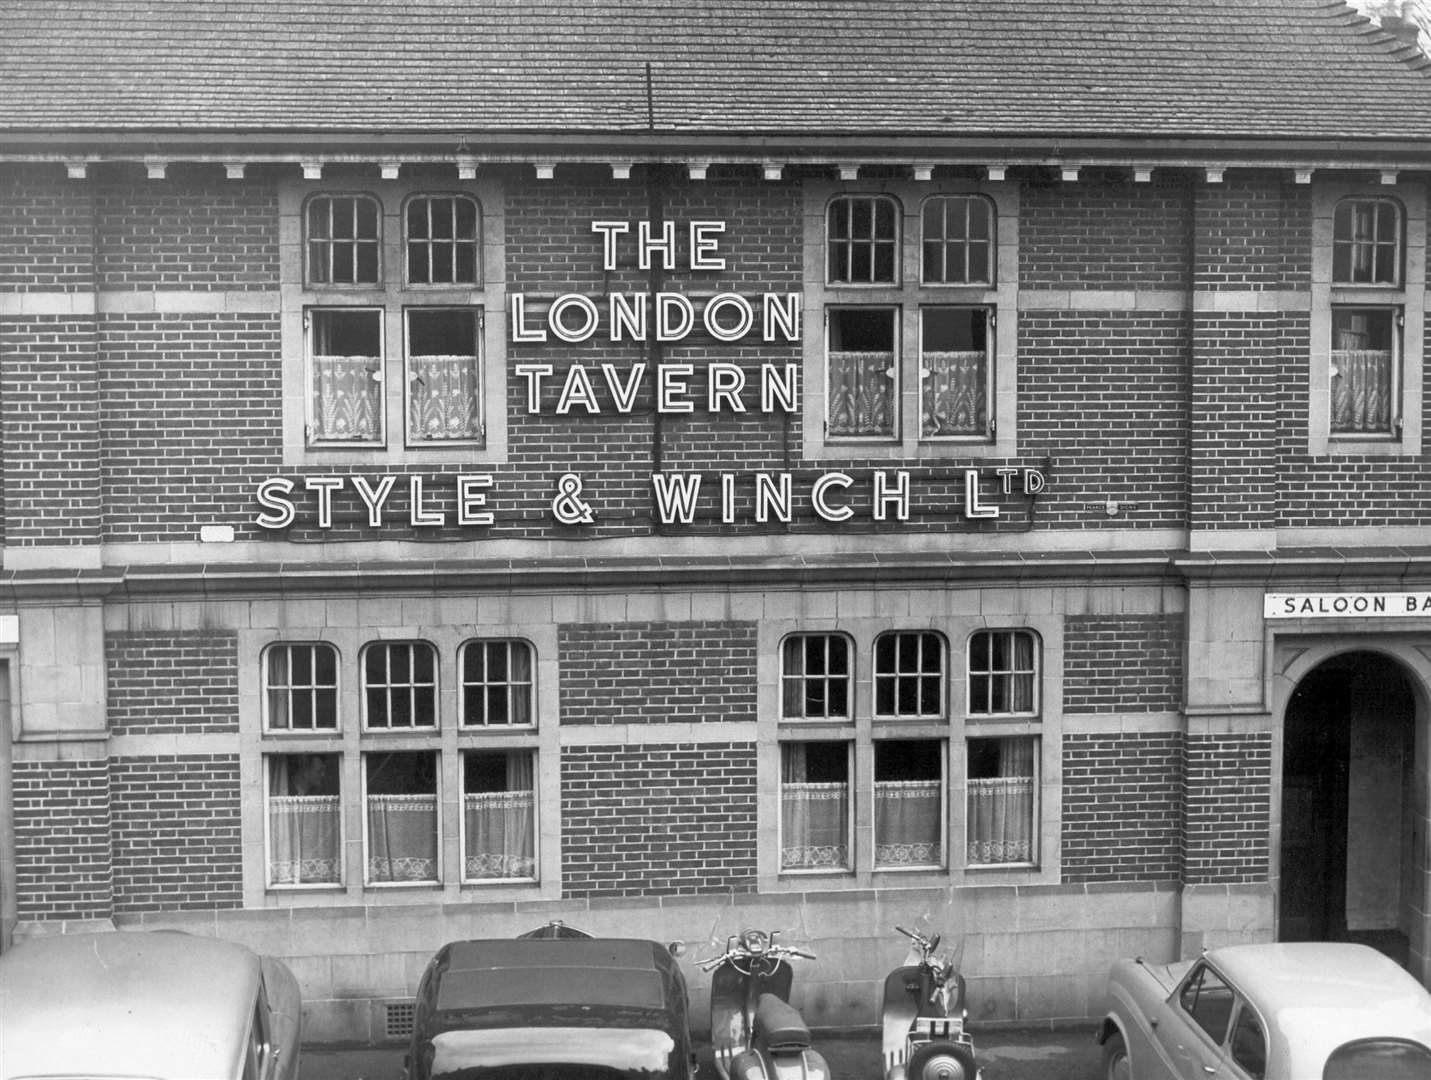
{"type": "Point", "coordinates": [675, 508]}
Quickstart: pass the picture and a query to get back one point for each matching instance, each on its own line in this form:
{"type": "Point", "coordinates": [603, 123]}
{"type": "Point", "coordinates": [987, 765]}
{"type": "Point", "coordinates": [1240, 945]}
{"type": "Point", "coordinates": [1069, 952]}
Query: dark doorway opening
{"type": "Point", "coordinates": [1348, 750]}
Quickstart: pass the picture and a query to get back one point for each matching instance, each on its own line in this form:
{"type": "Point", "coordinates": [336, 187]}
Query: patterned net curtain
{"type": "Point", "coordinates": [955, 401]}
{"type": "Point", "coordinates": [346, 348]}
{"type": "Point", "coordinates": [1001, 808]}
{"type": "Point", "coordinates": [304, 820]}
{"type": "Point", "coordinates": [908, 814]}
{"type": "Point", "coordinates": [1361, 371]}
{"type": "Point", "coordinates": [862, 392]}
{"type": "Point", "coordinates": [444, 389]}
{"type": "Point", "coordinates": [501, 826]}
{"type": "Point", "coordinates": [814, 815]}
{"type": "Point", "coordinates": [401, 817]}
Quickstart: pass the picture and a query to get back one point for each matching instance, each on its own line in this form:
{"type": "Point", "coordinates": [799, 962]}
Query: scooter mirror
{"type": "Point", "coordinates": [676, 948]}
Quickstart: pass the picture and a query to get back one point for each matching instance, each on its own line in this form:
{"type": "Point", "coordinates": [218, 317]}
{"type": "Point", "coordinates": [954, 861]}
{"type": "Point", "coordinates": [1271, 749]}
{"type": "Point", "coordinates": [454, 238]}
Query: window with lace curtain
{"type": "Point", "coordinates": [499, 834]}
{"type": "Point", "coordinates": [909, 302]}
{"type": "Point", "coordinates": [1001, 819]}
{"type": "Point", "coordinates": [1365, 365]}
{"type": "Point", "coordinates": [303, 820]}
{"type": "Point", "coordinates": [401, 825]}
{"type": "Point", "coordinates": [393, 354]}
{"type": "Point", "coordinates": [815, 806]}
{"type": "Point", "coordinates": [909, 810]}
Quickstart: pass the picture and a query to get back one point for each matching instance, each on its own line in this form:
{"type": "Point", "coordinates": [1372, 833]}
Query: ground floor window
{"type": "Point", "coordinates": [815, 806]}
{"type": "Point", "coordinates": [305, 819]}
{"type": "Point", "coordinates": [401, 820]}
{"type": "Point", "coordinates": [909, 803]}
{"type": "Point", "coordinates": [499, 815]}
{"type": "Point", "coordinates": [1002, 813]}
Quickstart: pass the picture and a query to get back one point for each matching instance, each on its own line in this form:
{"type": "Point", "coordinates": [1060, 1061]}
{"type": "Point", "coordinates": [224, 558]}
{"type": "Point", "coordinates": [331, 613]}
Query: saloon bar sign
{"type": "Point", "coordinates": [1345, 605]}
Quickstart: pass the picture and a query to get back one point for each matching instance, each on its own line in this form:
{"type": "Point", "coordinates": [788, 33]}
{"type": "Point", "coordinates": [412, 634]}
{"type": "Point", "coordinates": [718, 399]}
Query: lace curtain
{"type": "Point", "coordinates": [304, 822]}
{"type": "Point", "coordinates": [402, 837]}
{"type": "Point", "coordinates": [955, 402]}
{"type": "Point", "coordinates": [1001, 817]}
{"type": "Point", "coordinates": [347, 397]}
{"type": "Point", "coordinates": [443, 398]}
{"type": "Point", "coordinates": [907, 819]}
{"type": "Point", "coordinates": [500, 826]}
{"type": "Point", "coordinates": [861, 393]}
{"type": "Point", "coordinates": [1361, 390]}
{"type": "Point", "coordinates": [814, 817]}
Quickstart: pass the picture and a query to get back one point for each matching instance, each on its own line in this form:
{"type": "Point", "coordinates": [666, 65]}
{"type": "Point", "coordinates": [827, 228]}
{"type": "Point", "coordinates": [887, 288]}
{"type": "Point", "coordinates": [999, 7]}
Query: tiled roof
{"type": "Point", "coordinates": [1160, 69]}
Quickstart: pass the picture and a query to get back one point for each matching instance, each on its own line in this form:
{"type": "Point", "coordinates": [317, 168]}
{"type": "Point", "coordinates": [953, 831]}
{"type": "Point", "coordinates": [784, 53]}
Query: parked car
{"type": "Point", "coordinates": [558, 1005]}
{"type": "Point", "coordinates": [1303, 1011]}
{"type": "Point", "coordinates": [158, 1004]}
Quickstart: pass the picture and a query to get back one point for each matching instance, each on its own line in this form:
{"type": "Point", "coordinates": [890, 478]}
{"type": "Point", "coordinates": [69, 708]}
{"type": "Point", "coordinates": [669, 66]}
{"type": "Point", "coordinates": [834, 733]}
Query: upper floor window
{"type": "Point", "coordinates": [442, 235]}
{"type": "Point", "coordinates": [816, 677]}
{"type": "Point", "coordinates": [400, 685]}
{"type": "Point", "coordinates": [913, 353]}
{"type": "Point", "coordinates": [1366, 242]}
{"type": "Point", "coordinates": [863, 240]}
{"type": "Point", "coordinates": [957, 235]}
{"type": "Point", "coordinates": [344, 236]}
{"type": "Point", "coordinates": [1003, 673]}
{"type": "Point", "coordinates": [909, 675]}
{"type": "Point", "coordinates": [301, 687]}
{"type": "Point", "coordinates": [497, 683]}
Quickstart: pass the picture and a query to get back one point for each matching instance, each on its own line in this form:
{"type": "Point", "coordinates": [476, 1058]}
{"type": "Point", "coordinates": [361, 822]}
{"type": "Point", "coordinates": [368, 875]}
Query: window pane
{"type": "Point", "coordinates": [814, 806]}
{"type": "Point", "coordinates": [1003, 672]}
{"type": "Point", "coordinates": [958, 240]}
{"type": "Point", "coordinates": [499, 815]}
{"type": "Point", "coordinates": [497, 683]}
{"type": "Point", "coordinates": [342, 240]}
{"type": "Point", "coordinates": [862, 238]}
{"type": "Point", "coordinates": [1249, 1048]}
{"type": "Point", "coordinates": [1379, 1059]}
{"type": "Point", "coordinates": [345, 346]}
{"type": "Point", "coordinates": [909, 803]}
{"type": "Point", "coordinates": [1208, 1001]}
{"type": "Point", "coordinates": [1363, 370]}
{"type": "Point", "coordinates": [401, 817]}
{"type": "Point", "coordinates": [444, 375]}
{"type": "Point", "coordinates": [1366, 242]}
{"type": "Point", "coordinates": [400, 684]}
{"type": "Point", "coordinates": [304, 819]}
{"type": "Point", "coordinates": [954, 363]}
{"type": "Point", "coordinates": [301, 687]}
{"type": "Point", "coordinates": [908, 675]}
{"type": "Point", "coordinates": [862, 372]}
{"type": "Point", "coordinates": [816, 676]}
{"type": "Point", "coordinates": [1002, 801]}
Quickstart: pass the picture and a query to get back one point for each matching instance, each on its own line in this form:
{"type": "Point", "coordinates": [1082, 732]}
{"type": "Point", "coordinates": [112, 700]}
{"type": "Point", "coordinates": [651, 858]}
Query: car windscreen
{"type": "Point", "coordinates": [1379, 1059]}
{"type": "Point", "coordinates": [552, 1053]}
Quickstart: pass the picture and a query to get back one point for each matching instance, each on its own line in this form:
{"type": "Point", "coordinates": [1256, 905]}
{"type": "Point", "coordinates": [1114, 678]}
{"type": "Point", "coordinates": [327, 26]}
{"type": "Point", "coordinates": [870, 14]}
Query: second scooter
{"type": "Point", "coordinates": [923, 1015]}
{"type": "Point", "coordinates": [756, 1034]}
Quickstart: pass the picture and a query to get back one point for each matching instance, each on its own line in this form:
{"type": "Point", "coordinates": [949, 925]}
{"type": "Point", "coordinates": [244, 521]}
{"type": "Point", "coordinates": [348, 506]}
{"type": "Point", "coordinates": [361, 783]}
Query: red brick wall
{"type": "Point", "coordinates": [1122, 807]}
{"type": "Point", "coordinates": [1123, 663]}
{"type": "Point", "coordinates": [192, 230]}
{"type": "Point", "coordinates": [632, 673]}
{"type": "Point", "coordinates": [46, 231]}
{"type": "Point", "coordinates": [658, 820]}
{"type": "Point", "coordinates": [49, 402]}
{"type": "Point", "coordinates": [1229, 783]}
{"type": "Point", "coordinates": [1254, 232]}
{"type": "Point", "coordinates": [62, 855]}
{"type": "Point", "coordinates": [171, 682]}
{"type": "Point", "coordinates": [192, 417]}
{"type": "Point", "coordinates": [176, 833]}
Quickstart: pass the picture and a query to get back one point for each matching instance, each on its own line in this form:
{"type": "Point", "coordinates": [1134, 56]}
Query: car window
{"type": "Point", "coordinates": [1379, 1059]}
{"type": "Point", "coordinates": [1249, 1046]}
{"type": "Point", "coordinates": [1208, 1001]}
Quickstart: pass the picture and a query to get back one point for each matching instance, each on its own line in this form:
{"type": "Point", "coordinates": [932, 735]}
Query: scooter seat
{"type": "Point", "coordinates": [780, 1026]}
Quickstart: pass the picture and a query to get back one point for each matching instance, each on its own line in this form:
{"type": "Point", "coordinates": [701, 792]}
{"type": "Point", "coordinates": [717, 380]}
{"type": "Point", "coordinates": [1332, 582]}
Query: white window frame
{"type": "Point", "coordinates": [1408, 294]}
{"type": "Point", "coordinates": [884, 736]}
{"type": "Point", "coordinates": [412, 687]}
{"type": "Point", "coordinates": [980, 715]}
{"type": "Point", "coordinates": [1036, 823]}
{"type": "Point", "coordinates": [392, 294]}
{"type": "Point", "coordinates": [335, 752]}
{"type": "Point", "coordinates": [851, 848]}
{"type": "Point", "coordinates": [407, 240]}
{"type": "Point", "coordinates": [412, 439]}
{"type": "Point", "coordinates": [908, 295]}
{"type": "Point", "coordinates": [530, 685]}
{"type": "Point", "coordinates": [336, 690]}
{"type": "Point", "coordinates": [435, 751]}
{"type": "Point", "coordinates": [877, 675]}
{"type": "Point", "coordinates": [848, 678]}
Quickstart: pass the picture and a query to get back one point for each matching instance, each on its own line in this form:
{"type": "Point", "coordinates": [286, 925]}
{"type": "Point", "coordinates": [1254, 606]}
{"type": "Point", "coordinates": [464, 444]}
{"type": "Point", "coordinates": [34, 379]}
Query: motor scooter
{"type": "Point", "coordinates": [923, 1016]}
{"type": "Point", "coordinates": [756, 1034]}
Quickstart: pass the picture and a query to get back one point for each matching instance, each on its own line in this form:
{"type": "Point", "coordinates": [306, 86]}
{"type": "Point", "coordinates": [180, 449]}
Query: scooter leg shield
{"type": "Point", "coordinates": [942, 1061]}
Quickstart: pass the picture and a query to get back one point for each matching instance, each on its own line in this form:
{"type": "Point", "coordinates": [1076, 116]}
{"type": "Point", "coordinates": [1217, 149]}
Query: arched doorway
{"type": "Point", "coordinates": [1349, 813]}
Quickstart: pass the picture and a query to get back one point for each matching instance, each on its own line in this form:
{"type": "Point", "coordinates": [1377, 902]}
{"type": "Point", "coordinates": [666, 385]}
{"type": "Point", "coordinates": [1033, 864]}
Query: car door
{"type": "Point", "coordinates": [1191, 1028]}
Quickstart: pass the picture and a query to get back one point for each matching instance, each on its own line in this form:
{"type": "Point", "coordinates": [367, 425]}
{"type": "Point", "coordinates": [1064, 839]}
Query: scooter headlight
{"type": "Point", "coordinates": [754, 942]}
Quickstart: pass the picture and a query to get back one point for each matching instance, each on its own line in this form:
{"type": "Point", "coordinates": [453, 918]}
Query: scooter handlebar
{"type": "Point", "coordinates": [777, 952]}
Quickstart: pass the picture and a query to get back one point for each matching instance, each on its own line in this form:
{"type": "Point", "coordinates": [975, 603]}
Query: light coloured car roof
{"type": "Point", "coordinates": [158, 1004]}
{"type": "Point", "coordinates": [1315, 996]}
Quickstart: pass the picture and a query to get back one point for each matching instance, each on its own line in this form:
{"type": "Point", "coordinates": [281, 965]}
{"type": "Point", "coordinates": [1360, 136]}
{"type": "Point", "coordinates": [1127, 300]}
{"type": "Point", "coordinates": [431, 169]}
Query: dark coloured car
{"type": "Point", "coordinates": [551, 1008]}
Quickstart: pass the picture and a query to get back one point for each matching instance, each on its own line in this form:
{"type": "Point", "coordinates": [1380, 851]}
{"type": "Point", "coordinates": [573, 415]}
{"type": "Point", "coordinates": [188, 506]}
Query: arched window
{"type": "Point", "coordinates": [862, 237]}
{"type": "Point", "coordinates": [1366, 242]}
{"type": "Point", "coordinates": [957, 240]}
{"type": "Point", "coordinates": [344, 235]}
